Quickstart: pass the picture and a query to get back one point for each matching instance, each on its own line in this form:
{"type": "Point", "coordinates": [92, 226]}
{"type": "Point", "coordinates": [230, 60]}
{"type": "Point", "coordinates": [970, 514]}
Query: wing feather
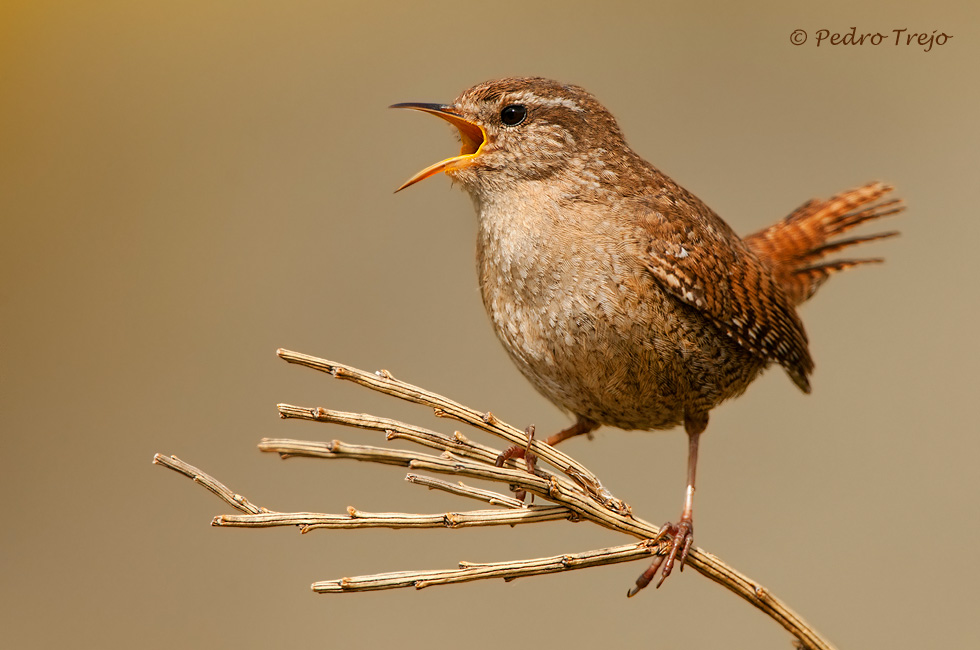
{"type": "Point", "coordinates": [700, 260]}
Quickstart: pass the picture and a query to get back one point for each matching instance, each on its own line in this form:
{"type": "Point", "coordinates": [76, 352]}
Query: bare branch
{"type": "Point", "coordinates": [472, 571]}
{"type": "Point", "coordinates": [576, 493]}
{"type": "Point", "coordinates": [337, 449]}
{"type": "Point", "coordinates": [213, 485]}
{"type": "Point", "coordinates": [384, 382]}
{"type": "Point", "coordinates": [548, 487]}
{"type": "Point", "coordinates": [357, 519]}
{"type": "Point", "coordinates": [394, 430]}
{"type": "Point", "coordinates": [493, 498]}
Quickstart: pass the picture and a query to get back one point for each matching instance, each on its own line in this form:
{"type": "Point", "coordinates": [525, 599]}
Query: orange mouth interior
{"type": "Point", "coordinates": [471, 135]}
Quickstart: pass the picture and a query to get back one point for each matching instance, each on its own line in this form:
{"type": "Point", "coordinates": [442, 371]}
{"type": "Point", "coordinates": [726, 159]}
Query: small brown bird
{"type": "Point", "coordinates": [620, 295]}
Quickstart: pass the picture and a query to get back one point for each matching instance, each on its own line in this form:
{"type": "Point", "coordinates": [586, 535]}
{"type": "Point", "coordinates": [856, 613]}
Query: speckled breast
{"type": "Point", "coordinates": [593, 331]}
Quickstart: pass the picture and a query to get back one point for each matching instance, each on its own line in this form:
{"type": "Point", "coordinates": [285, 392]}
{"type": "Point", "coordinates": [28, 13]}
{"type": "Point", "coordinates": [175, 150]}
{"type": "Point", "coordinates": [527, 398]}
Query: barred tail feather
{"type": "Point", "coordinates": [794, 246]}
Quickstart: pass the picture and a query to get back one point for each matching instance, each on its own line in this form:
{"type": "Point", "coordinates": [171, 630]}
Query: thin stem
{"type": "Point", "coordinates": [471, 571]}
{"type": "Point", "coordinates": [577, 495]}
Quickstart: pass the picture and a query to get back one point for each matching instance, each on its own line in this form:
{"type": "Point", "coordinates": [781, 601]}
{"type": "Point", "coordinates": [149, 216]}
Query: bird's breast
{"type": "Point", "coordinates": [575, 307]}
{"type": "Point", "coordinates": [575, 312]}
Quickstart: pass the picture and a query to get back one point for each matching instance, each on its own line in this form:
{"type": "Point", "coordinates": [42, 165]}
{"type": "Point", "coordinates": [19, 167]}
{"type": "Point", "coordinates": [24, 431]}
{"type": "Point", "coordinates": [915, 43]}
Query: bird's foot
{"type": "Point", "coordinates": [524, 452]}
{"type": "Point", "coordinates": [681, 536]}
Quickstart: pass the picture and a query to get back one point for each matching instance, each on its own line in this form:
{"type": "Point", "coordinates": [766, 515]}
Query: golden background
{"type": "Point", "coordinates": [186, 186]}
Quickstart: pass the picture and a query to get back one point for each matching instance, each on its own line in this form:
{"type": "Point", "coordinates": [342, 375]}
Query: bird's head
{"type": "Point", "coordinates": [522, 129]}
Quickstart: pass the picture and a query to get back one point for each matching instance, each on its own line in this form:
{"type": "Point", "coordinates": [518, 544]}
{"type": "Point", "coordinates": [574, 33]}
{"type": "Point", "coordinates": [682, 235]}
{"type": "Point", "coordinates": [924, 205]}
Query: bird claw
{"type": "Point", "coordinates": [516, 451]}
{"type": "Point", "coordinates": [681, 537]}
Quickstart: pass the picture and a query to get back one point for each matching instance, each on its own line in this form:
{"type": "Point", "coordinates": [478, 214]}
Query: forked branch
{"type": "Point", "coordinates": [575, 494]}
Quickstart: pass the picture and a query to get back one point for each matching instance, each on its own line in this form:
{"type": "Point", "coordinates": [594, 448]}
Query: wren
{"type": "Point", "coordinates": [622, 297]}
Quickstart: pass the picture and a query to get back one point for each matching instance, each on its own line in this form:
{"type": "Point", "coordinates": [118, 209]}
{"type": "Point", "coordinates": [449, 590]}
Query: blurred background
{"type": "Point", "coordinates": [187, 186]}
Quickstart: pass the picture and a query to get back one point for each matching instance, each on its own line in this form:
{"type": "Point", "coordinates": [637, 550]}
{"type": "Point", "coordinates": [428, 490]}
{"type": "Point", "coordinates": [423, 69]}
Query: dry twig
{"type": "Point", "coordinates": [575, 492]}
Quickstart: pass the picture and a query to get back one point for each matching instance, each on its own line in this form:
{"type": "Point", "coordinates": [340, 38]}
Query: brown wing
{"type": "Point", "coordinates": [702, 262]}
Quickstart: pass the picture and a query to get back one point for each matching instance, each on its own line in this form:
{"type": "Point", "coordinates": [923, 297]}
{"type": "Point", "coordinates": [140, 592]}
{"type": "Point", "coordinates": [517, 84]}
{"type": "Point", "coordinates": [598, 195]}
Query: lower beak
{"type": "Point", "coordinates": [472, 135]}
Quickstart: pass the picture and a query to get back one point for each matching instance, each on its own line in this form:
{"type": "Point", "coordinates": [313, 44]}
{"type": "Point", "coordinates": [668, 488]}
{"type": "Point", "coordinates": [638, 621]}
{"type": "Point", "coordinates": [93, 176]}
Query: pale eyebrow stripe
{"type": "Point", "coordinates": [549, 101]}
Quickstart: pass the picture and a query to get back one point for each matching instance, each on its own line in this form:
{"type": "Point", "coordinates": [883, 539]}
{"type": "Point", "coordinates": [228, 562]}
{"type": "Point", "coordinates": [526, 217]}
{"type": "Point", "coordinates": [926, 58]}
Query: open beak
{"type": "Point", "coordinates": [472, 135]}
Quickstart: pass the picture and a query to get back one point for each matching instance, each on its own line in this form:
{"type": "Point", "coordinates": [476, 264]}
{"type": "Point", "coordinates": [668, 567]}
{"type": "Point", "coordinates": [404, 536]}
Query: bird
{"type": "Point", "coordinates": [622, 297]}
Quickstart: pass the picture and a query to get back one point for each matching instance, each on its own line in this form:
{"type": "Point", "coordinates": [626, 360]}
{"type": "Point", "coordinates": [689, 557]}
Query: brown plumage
{"type": "Point", "coordinates": [620, 295]}
{"type": "Point", "coordinates": [794, 247]}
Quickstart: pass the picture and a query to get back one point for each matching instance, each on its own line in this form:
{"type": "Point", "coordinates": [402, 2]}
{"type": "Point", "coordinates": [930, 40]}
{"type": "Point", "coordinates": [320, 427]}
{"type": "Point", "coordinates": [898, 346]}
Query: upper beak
{"type": "Point", "coordinates": [472, 135]}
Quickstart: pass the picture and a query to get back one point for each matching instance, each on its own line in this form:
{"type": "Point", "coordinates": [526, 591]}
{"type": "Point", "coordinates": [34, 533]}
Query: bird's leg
{"type": "Point", "coordinates": [520, 452]}
{"type": "Point", "coordinates": [682, 533]}
{"type": "Point", "coordinates": [581, 426]}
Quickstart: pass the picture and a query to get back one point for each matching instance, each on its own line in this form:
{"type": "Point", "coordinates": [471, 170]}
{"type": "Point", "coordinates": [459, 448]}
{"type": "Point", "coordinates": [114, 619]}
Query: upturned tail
{"type": "Point", "coordinates": [794, 248]}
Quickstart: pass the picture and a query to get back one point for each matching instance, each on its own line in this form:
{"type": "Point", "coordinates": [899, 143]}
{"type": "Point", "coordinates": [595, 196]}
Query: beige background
{"type": "Point", "coordinates": [186, 186]}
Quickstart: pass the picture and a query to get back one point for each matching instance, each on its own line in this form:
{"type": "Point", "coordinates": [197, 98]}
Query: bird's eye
{"type": "Point", "coordinates": [513, 115]}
